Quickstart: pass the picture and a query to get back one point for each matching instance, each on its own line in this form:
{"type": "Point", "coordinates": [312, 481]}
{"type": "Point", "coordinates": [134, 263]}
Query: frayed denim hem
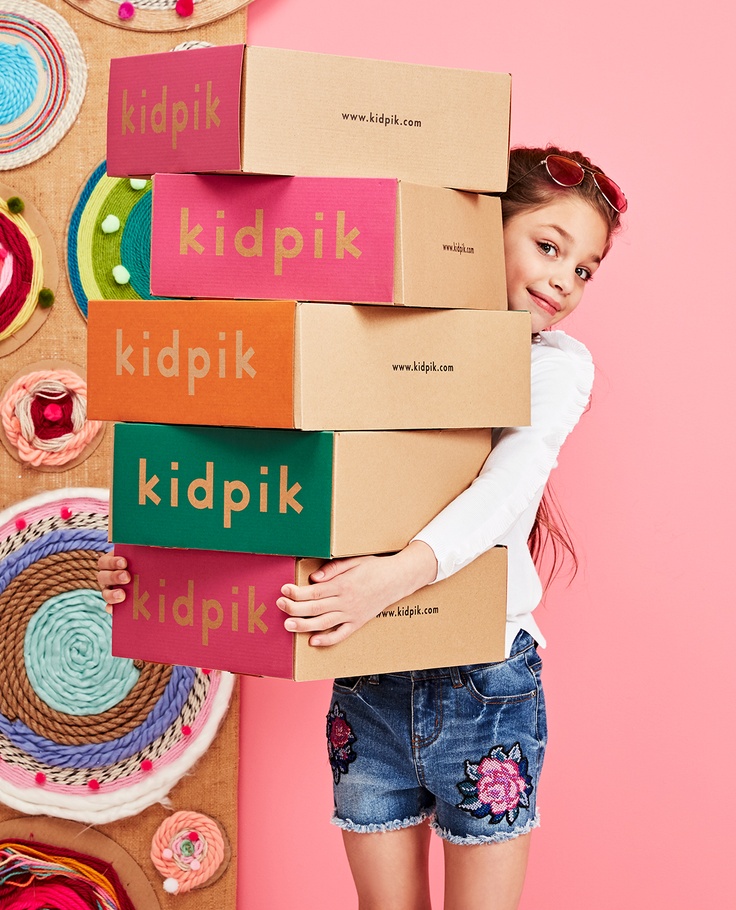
{"type": "Point", "coordinates": [347, 825]}
{"type": "Point", "coordinates": [496, 838]}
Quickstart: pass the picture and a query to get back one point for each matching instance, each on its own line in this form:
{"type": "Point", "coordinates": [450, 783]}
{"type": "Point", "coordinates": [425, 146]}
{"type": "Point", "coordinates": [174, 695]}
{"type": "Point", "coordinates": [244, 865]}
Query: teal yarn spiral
{"type": "Point", "coordinates": [19, 82]}
{"type": "Point", "coordinates": [68, 658]}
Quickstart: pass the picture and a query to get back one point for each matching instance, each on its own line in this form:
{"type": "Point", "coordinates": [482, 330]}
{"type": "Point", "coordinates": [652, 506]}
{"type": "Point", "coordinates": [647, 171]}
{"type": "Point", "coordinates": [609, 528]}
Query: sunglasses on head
{"type": "Point", "coordinates": [566, 172]}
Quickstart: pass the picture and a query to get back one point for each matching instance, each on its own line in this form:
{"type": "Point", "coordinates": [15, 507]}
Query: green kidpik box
{"type": "Point", "coordinates": [285, 492]}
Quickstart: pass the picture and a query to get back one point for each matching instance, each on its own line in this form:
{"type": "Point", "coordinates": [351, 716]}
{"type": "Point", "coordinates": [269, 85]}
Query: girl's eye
{"type": "Point", "coordinates": [548, 248]}
{"type": "Point", "coordinates": [584, 273]}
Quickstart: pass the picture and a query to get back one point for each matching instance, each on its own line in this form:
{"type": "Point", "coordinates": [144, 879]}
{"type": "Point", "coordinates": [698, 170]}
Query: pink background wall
{"type": "Point", "coordinates": [638, 796]}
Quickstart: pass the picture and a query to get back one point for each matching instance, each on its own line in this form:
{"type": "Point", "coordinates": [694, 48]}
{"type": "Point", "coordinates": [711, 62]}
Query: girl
{"type": "Point", "coordinates": [460, 749]}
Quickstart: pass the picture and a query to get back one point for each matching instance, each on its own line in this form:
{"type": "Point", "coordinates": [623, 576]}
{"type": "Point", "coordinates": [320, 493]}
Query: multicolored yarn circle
{"type": "Point", "coordinates": [35, 876]}
{"type": "Point", "coordinates": [149, 725]}
{"type": "Point", "coordinates": [21, 271]}
{"type": "Point", "coordinates": [43, 78]}
{"type": "Point", "coordinates": [158, 15]}
{"type": "Point", "coordinates": [188, 849]}
{"type": "Point", "coordinates": [93, 253]}
{"type": "Point", "coordinates": [44, 416]}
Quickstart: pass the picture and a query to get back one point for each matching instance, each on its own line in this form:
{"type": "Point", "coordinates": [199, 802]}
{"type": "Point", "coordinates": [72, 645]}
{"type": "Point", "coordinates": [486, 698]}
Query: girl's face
{"type": "Point", "coordinates": [551, 253]}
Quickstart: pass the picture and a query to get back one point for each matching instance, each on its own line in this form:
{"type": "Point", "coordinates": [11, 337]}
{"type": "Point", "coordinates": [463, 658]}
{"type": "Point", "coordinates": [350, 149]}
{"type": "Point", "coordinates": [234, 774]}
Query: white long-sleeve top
{"type": "Point", "coordinates": [500, 506]}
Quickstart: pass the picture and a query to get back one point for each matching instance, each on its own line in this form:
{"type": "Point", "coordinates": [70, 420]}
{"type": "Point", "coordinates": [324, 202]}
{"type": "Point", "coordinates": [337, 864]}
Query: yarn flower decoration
{"type": "Point", "coordinates": [340, 739]}
{"type": "Point", "coordinates": [44, 415]}
{"type": "Point", "coordinates": [188, 849]}
{"type": "Point", "coordinates": [497, 786]}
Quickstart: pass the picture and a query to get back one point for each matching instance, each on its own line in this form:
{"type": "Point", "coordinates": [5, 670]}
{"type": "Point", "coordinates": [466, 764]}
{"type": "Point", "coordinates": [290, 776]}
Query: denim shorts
{"type": "Point", "coordinates": [461, 746]}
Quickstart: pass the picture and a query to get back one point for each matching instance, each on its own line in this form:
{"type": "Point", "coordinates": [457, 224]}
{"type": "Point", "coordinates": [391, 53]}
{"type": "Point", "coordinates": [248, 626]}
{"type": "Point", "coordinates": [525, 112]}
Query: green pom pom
{"type": "Point", "coordinates": [16, 205]}
{"type": "Point", "coordinates": [46, 298]}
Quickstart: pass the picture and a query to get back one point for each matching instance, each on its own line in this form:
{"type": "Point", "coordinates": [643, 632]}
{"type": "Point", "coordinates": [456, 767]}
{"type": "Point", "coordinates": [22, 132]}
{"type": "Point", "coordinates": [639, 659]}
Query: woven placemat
{"type": "Point", "coordinates": [53, 183]}
{"type": "Point", "coordinates": [159, 15]}
{"type": "Point", "coordinates": [44, 76]}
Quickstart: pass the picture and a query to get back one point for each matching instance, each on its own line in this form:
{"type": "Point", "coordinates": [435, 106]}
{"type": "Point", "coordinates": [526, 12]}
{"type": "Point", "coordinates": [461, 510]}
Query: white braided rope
{"type": "Point", "coordinates": [153, 4]}
{"type": "Point", "coordinates": [76, 67]}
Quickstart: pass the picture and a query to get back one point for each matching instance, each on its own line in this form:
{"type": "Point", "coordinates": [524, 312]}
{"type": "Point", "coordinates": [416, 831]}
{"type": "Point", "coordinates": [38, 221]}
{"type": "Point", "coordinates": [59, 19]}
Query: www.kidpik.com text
{"type": "Point", "coordinates": [382, 119]}
{"type": "Point", "coordinates": [423, 366]}
{"type": "Point", "coordinates": [410, 611]}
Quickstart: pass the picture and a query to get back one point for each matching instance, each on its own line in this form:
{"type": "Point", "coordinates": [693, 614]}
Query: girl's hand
{"type": "Point", "coordinates": [346, 593]}
{"type": "Point", "coordinates": [110, 574]}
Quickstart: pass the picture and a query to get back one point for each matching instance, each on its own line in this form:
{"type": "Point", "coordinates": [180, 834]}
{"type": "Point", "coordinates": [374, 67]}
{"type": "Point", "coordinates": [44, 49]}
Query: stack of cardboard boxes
{"type": "Point", "coordinates": [344, 396]}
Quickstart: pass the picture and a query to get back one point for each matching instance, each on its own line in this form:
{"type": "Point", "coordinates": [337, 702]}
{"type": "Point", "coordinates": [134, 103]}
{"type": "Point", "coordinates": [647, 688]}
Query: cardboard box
{"type": "Point", "coordinates": [285, 492]}
{"type": "Point", "coordinates": [266, 110]}
{"type": "Point", "coordinates": [218, 610]}
{"type": "Point", "coordinates": [355, 240]}
{"type": "Point", "coordinates": [312, 366]}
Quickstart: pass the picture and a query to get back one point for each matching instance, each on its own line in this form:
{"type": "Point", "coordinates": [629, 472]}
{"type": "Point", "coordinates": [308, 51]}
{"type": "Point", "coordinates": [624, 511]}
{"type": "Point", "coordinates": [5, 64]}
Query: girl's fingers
{"type": "Point", "coordinates": [110, 579]}
{"type": "Point", "coordinates": [113, 595]}
{"type": "Point", "coordinates": [332, 636]}
{"type": "Point", "coordinates": [304, 593]}
{"type": "Point", "coordinates": [307, 607]}
{"type": "Point", "coordinates": [312, 624]}
{"type": "Point", "coordinates": [109, 562]}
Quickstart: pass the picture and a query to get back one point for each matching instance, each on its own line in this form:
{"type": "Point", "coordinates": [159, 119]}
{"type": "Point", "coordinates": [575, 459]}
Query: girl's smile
{"type": "Point", "coordinates": [551, 253]}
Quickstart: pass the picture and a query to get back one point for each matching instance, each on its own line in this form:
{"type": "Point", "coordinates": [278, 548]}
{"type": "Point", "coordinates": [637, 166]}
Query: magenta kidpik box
{"type": "Point", "coordinates": [330, 239]}
{"type": "Point", "coordinates": [218, 610]}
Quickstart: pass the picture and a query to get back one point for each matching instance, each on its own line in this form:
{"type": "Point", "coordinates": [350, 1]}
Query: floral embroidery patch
{"type": "Point", "coordinates": [340, 739]}
{"type": "Point", "coordinates": [497, 786]}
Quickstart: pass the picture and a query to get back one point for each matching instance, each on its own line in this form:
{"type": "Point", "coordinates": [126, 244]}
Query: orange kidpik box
{"type": "Point", "coordinates": [309, 366]}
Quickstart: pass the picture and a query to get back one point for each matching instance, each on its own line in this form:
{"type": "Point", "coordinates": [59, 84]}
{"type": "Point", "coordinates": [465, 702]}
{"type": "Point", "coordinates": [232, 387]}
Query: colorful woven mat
{"type": "Point", "coordinates": [43, 77]}
{"type": "Point", "coordinates": [51, 863]}
{"type": "Point", "coordinates": [43, 418]}
{"type": "Point", "coordinates": [110, 230]}
{"type": "Point", "coordinates": [158, 15]}
{"type": "Point", "coordinates": [83, 735]}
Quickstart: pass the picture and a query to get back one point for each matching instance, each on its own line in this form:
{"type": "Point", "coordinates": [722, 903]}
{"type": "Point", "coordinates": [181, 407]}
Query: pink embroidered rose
{"type": "Point", "coordinates": [498, 787]}
{"type": "Point", "coordinates": [340, 732]}
{"type": "Point", "coordinates": [500, 784]}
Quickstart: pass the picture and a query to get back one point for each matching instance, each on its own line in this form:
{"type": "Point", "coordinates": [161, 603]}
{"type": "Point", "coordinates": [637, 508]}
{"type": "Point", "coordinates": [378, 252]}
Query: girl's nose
{"type": "Point", "coordinates": [562, 282]}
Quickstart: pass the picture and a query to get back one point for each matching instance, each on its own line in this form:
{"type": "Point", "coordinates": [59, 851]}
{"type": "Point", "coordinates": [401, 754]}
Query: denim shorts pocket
{"type": "Point", "coordinates": [348, 683]}
{"type": "Point", "coordinates": [505, 683]}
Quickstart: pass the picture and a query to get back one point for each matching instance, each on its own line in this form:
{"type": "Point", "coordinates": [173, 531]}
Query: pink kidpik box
{"type": "Point", "coordinates": [266, 110]}
{"type": "Point", "coordinates": [218, 610]}
{"type": "Point", "coordinates": [341, 239]}
{"type": "Point", "coordinates": [175, 112]}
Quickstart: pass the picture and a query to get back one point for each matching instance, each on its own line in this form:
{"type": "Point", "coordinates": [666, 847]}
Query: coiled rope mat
{"type": "Point", "coordinates": [49, 863]}
{"type": "Point", "coordinates": [83, 735]}
{"type": "Point", "coordinates": [43, 78]}
{"type": "Point", "coordinates": [93, 253]}
{"type": "Point", "coordinates": [43, 417]}
{"type": "Point", "coordinates": [159, 15]}
{"type": "Point", "coordinates": [27, 265]}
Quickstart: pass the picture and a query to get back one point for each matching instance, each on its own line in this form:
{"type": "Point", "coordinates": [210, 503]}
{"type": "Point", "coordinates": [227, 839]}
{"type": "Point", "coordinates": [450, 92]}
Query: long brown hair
{"type": "Point", "coordinates": [530, 187]}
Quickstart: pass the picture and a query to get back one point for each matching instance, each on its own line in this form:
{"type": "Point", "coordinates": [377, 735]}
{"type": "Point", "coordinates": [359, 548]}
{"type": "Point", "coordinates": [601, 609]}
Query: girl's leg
{"type": "Point", "coordinates": [390, 868]}
{"type": "Point", "coordinates": [485, 876]}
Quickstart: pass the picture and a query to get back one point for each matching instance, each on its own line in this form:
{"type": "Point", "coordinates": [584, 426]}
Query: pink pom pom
{"type": "Point", "coordinates": [126, 11]}
{"type": "Point", "coordinates": [146, 765]}
{"type": "Point", "coordinates": [186, 730]}
{"type": "Point", "coordinates": [66, 513]}
{"type": "Point", "coordinates": [20, 523]}
{"type": "Point", "coordinates": [40, 778]}
{"type": "Point", "coordinates": [93, 784]}
{"type": "Point", "coordinates": [185, 7]}
{"type": "Point", "coordinates": [195, 865]}
{"type": "Point", "coordinates": [52, 413]}
{"type": "Point", "coordinates": [193, 837]}
{"type": "Point", "coordinates": [167, 853]}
